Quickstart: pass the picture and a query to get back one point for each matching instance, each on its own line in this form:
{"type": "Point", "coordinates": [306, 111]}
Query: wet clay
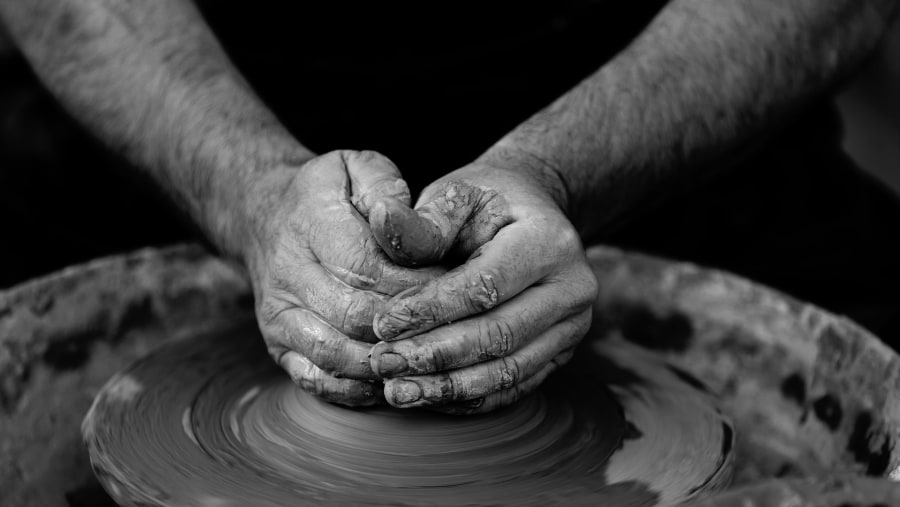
{"type": "Point", "coordinates": [211, 421]}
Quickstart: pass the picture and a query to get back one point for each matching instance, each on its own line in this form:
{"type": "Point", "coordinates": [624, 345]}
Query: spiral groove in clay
{"type": "Point", "coordinates": [211, 421]}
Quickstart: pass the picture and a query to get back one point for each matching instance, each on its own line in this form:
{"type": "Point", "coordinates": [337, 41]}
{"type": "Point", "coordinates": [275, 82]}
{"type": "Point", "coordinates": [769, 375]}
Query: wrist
{"type": "Point", "coordinates": [514, 157]}
{"type": "Point", "coordinates": [238, 213]}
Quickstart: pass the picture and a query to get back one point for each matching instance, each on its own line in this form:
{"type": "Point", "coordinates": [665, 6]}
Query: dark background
{"type": "Point", "coordinates": [52, 215]}
{"type": "Point", "coordinates": [871, 111]}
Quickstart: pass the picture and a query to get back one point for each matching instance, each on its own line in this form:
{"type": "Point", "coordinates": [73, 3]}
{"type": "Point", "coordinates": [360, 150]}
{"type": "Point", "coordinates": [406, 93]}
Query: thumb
{"type": "Point", "coordinates": [424, 235]}
{"type": "Point", "coordinates": [372, 177]}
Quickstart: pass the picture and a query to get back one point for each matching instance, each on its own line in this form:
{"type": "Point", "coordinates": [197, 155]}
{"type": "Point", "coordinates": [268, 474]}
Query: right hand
{"type": "Point", "coordinates": [318, 274]}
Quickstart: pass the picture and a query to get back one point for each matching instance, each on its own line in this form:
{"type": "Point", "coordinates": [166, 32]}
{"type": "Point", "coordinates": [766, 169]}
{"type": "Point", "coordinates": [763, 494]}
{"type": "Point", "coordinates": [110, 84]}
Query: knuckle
{"type": "Point", "coordinates": [568, 238]}
{"type": "Point", "coordinates": [507, 376]}
{"type": "Point", "coordinates": [482, 291]}
{"type": "Point", "coordinates": [421, 312]}
{"type": "Point", "coordinates": [431, 358]}
{"type": "Point", "coordinates": [324, 388]}
{"type": "Point", "coordinates": [450, 386]}
{"type": "Point", "coordinates": [313, 384]}
{"type": "Point", "coordinates": [589, 280]}
{"type": "Point", "coordinates": [355, 315]}
{"type": "Point", "coordinates": [421, 357]}
{"type": "Point", "coordinates": [496, 338]}
{"type": "Point", "coordinates": [326, 353]}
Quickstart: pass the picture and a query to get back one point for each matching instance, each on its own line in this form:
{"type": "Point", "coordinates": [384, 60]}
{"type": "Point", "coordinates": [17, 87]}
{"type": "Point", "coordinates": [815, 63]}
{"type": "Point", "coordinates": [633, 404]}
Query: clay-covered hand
{"type": "Point", "coordinates": [491, 330]}
{"type": "Point", "coordinates": [318, 274]}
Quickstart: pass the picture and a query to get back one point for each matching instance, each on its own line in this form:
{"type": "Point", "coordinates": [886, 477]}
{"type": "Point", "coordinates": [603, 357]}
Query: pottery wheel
{"type": "Point", "coordinates": [212, 421]}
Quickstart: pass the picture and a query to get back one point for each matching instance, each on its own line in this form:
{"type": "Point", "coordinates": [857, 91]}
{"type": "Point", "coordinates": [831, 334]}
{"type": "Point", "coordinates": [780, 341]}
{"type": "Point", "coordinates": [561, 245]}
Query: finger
{"type": "Point", "coordinates": [304, 332]}
{"type": "Point", "coordinates": [313, 380]}
{"type": "Point", "coordinates": [416, 237]}
{"type": "Point", "coordinates": [489, 377]}
{"type": "Point", "coordinates": [350, 252]}
{"type": "Point", "coordinates": [372, 177]}
{"type": "Point", "coordinates": [506, 397]}
{"type": "Point", "coordinates": [496, 333]}
{"type": "Point", "coordinates": [310, 286]}
{"type": "Point", "coordinates": [340, 237]}
{"type": "Point", "coordinates": [520, 254]}
{"type": "Point", "coordinates": [425, 235]}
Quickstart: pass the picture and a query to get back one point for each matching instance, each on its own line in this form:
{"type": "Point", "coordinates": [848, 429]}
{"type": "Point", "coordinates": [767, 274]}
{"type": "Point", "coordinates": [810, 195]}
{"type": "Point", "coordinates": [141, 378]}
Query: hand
{"type": "Point", "coordinates": [318, 274]}
{"type": "Point", "coordinates": [490, 331]}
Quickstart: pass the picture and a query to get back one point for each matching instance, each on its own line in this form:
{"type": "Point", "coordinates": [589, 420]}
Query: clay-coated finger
{"type": "Point", "coordinates": [306, 333]}
{"type": "Point", "coordinates": [313, 380]}
{"type": "Point", "coordinates": [489, 377]}
{"type": "Point", "coordinates": [372, 177]}
{"type": "Point", "coordinates": [425, 235]}
{"type": "Point", "coordinates": [495, 333]}
{"type": "Point", "coordinates": [340, 238]}
{"type": "Point", "coordinates": [519, 255]}
{"type": "Point", "coordinates": [349, 251]}
{"type": "Point", "coordinates": [310, 286]}
{"type": "Point", "coordinates": [505, 397]}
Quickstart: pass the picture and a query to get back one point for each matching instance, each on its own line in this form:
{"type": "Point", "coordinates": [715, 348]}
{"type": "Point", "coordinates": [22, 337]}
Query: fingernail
{"type": "Point", "coordinates": [401, 316]}
{"type": "Point", "coordinates": [390, 364]}
{"type": "Point", "coordinates": [390, 325]}
{"type": "Point", "coordinates": [403, 392]}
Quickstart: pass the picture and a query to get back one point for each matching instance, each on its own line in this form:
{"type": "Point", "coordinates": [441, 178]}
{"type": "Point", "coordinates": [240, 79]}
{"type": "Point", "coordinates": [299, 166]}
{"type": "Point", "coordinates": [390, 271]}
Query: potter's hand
{"type": "Point", "coordinates": [490, 331]}
{"type": "Point", "coordinates": [318, 274]}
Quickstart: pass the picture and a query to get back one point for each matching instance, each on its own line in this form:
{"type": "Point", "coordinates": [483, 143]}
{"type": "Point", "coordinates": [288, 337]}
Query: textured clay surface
{"type": "Point", "coordinates": [211, 421]}
{"type": "Point", "coordinates": [63, 336]}
{"type": "Point", "coordinates": [813, 398]}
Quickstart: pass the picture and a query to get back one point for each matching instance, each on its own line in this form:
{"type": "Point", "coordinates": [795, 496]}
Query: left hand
{"type": "Point", "coordinates": [490, 331]}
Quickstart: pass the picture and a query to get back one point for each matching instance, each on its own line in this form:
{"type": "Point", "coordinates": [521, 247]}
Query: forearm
{"type": "Point", "coordinates": [703, 80]}
{"type": "Point", "coordinates": [151, 80]}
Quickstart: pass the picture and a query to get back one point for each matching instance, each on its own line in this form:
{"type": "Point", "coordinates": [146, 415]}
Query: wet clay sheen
{"type": "Point", "coordinates": [212, 421]}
